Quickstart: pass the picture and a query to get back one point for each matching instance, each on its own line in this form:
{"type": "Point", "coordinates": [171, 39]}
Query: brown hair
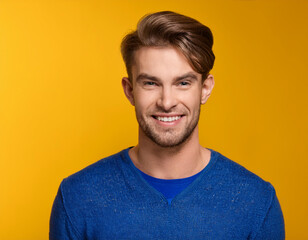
{"type": "Point", "coordinates": [167, 28]}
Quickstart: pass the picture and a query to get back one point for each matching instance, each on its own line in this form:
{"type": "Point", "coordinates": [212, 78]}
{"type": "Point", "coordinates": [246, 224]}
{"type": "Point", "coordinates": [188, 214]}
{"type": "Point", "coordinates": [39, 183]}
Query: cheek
{"type": "Point", "coordinates": [192, 100]}
{"type": "Point", "coordinates": [144, 99]}
{"type": "Point", "coordinates": [143, 102]}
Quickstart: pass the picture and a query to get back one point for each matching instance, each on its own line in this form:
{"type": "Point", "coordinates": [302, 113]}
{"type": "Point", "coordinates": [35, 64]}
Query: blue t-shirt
{"type": "Point", "coordinates": [169, 187]}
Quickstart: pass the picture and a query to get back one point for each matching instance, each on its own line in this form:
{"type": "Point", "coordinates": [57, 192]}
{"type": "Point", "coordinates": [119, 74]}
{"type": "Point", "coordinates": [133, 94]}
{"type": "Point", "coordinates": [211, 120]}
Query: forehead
{"type": "Point", "coordinates": [162, 62]}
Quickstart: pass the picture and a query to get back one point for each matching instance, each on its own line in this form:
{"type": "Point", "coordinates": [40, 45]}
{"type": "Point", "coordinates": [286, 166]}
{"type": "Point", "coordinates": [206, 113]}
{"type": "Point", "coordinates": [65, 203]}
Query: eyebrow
{"type": "Point", "coordinates": [187, 75]}
{"type": "Point", "coordinates": [142, 76]}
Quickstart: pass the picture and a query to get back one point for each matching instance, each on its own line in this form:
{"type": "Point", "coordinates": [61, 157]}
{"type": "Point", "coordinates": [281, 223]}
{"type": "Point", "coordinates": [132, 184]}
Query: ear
{"type": "Point", "coordinates": [128, 90]}
{"type": "Point", "coordinates": [207, 87]}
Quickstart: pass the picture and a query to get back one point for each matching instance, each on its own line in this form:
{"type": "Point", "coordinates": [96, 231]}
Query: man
{"type": "Point", "coordinates": [167, 186]}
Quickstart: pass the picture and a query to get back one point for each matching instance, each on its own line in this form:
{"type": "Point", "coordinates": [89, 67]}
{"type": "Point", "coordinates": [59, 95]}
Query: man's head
{"type": "Point", "coordinates": [168, 59]}
{"type": "Point", "coordinates": [190, 37]}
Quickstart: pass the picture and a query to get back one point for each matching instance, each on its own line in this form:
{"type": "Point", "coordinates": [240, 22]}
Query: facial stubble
{"type": "Point", "coordinates": [169, 137]}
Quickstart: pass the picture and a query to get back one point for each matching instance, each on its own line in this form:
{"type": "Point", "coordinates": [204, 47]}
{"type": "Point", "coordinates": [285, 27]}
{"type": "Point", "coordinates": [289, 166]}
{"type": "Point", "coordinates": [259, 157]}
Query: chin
{"type": "Point", "coordinates": [169, 142]}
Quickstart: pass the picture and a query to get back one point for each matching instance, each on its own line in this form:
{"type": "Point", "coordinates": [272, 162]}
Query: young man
{"type": "Point", "coordinates": [168, 186]}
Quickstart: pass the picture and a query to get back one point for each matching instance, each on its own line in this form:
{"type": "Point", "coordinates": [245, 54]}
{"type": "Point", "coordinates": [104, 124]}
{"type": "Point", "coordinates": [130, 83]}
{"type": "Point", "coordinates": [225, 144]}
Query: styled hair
{"type": "Point", "coordinates": [166, 28]}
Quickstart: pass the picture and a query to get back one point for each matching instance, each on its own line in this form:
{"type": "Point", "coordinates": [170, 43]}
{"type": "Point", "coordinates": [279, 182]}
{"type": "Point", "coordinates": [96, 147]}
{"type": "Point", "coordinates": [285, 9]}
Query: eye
{"type": "Point", "coordinates": [149, 83]}
{"type": "Point", "coordinates": [184, 83]}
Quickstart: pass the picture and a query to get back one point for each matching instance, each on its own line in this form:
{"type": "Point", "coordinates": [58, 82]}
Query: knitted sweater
{"type": "Point", "coordinates": [111, 200]}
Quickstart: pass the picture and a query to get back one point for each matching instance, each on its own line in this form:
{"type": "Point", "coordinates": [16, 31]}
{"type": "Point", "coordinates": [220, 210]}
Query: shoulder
{"type": "Point", "coordinates": [235, 173]}
{"type": "Point", "coordinates": [101, 174]}
{"type": "Point", "coordinates": [84, 192]}
{"type": "Point", "coordinates": [251, 198]}
{"type": "Point", "coordinates": [238, 183]}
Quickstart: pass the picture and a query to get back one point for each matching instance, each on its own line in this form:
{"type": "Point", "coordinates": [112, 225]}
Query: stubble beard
{"type": "Point", "coordinates": [170, 137]}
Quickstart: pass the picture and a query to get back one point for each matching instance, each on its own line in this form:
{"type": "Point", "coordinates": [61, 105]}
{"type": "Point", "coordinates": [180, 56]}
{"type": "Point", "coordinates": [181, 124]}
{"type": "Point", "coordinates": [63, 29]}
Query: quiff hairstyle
{"type": "Point", "coordinates": [162, 29]}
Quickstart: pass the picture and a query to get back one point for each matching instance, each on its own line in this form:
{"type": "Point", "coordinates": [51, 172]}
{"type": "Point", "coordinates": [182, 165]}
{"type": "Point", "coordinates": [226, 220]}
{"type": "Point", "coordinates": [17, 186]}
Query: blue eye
{"type": "Point", "coordinates": [150, 83]}
{"type": "Point", "coordinates": [184, 83]}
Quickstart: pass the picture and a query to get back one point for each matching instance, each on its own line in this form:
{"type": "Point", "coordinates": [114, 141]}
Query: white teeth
{"type": "Point", "coordinates": [168, 119]}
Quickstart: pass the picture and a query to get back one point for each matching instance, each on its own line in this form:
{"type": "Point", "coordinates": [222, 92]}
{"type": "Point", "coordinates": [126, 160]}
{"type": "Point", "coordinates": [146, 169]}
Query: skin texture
{"type": "Point", "coordinates": [165, 87]}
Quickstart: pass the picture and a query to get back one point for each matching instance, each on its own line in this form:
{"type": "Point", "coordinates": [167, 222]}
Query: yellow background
{"type": "Point", "coordinates": [62, 106]}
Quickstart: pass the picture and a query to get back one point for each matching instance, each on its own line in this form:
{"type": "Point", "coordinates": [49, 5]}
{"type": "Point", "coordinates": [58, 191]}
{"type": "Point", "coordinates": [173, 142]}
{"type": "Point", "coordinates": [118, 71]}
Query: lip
{"type": "Point", "coordinates": [168, 124]}
{"type": "Point", "coordinates": [167, 115]}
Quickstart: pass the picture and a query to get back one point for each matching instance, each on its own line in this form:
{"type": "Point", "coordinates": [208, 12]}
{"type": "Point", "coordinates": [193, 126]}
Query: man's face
{"type": "Point", "coordinates": [167, 94]}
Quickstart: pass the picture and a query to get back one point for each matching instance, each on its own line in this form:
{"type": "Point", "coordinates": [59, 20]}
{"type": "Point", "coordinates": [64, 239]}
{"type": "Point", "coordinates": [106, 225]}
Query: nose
{"type": "Point", "coordinates": [167, 99]}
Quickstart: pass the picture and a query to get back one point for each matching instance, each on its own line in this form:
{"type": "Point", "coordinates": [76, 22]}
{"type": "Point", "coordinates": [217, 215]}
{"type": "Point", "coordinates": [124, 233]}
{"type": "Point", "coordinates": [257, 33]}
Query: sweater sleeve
{"type": "Point", "coordinates": [272, 227]}
{"type": "Point", "coordinates": [60, 226]}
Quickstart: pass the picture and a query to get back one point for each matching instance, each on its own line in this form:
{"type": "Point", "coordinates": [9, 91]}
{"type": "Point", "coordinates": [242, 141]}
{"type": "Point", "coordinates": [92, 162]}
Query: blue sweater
{"type": "Point", "coordinates": [111, 200]}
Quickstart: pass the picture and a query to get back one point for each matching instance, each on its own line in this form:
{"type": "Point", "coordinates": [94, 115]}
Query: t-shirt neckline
{"type": "Point", "coordinates": [191, 187]}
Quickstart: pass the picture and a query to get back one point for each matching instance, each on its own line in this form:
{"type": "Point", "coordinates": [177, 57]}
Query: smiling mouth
{"type": "Point", "coordinates": [168, 119]}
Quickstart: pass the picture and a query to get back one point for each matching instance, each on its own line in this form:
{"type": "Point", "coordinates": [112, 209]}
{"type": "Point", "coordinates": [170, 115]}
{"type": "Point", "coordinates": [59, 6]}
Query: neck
{"type": "Point", "coordinates": [181, 161]}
